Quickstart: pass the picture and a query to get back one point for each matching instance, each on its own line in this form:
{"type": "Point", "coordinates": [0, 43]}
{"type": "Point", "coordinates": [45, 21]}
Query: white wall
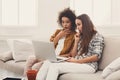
{"type": "Point", "coordinates": [112, 19]}
{"type": "Point", "coordinates": [105, 14]}
{"type": "Point", "coordinates": [18, 18]}
{"type": "Point", "coordinates": [48, 12]}
{"type": "Point", "coordinates": [47, 17]}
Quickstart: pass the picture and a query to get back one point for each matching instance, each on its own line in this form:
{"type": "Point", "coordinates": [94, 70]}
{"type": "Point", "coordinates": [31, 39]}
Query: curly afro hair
{"type": "Point", "coordinates": [67, 12]}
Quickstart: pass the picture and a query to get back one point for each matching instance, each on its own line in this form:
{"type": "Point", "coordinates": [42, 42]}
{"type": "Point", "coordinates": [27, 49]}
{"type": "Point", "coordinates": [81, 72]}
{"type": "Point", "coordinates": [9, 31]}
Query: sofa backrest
{"type": "Point", "coordinates": [111, 51]}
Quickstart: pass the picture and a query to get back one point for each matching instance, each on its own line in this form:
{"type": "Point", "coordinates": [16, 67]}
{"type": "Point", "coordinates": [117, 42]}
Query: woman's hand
{"type": "Point", "coordinates": [72, 60]}
{"type": "Point", "coordinates": [63, 33]}
{"type": "Point", "coordinates": [75, 60]}
{"type": "Point", "coordinates": [77, 37]}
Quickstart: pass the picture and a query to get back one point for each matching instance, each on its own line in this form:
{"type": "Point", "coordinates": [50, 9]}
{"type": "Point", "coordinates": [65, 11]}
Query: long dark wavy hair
{"type": "Point", "coordinates": [67, 12]}
{"type": "Point", "coordinates": [88, 32]}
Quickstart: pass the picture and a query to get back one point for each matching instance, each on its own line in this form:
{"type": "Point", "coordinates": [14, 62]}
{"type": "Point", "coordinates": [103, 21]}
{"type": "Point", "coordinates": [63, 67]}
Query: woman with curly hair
{"type": "Point", "coordinates": [63, 39]}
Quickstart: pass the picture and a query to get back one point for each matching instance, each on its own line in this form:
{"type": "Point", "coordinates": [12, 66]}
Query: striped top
{"type": "Point", "coordinates": [95, 47]}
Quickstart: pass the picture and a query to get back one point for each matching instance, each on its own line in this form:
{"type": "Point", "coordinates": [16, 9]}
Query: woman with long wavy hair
{"type": "Point", "coordinates": [85, 54]}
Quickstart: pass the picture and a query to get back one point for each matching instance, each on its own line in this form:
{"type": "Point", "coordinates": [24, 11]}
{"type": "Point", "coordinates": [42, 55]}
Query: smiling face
{"type": "Point", "coordinates": [78, 23]}
{"type": "Point", "coordinates": [66, 23]}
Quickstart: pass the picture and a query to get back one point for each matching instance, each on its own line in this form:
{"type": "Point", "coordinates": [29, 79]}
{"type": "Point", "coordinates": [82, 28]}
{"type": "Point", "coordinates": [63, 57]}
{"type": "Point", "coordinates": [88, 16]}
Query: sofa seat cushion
{"type": "Point", "coordinates": [112, 67]}
{"type": "Point", "coordinates": [16, 67]}
{"type": "Point", "coordinates": [114, 76]}
{"type": "Point", "coordinates": [78, 76]}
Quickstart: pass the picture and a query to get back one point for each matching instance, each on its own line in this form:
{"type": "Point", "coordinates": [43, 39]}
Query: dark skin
{"type": "Point", "coordinates": [66, 25]}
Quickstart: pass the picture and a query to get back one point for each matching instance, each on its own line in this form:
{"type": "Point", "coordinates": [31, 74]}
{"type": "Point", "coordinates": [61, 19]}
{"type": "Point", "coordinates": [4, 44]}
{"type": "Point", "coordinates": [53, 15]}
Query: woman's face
{"type": "Point", "coordinates": [66, 23]}
{"type": "Point", "coordinates": [78, 23]}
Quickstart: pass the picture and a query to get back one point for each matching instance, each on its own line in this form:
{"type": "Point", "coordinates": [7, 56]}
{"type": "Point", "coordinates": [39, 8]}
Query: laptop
{"type": "Point", "coordinates": [46, 51]}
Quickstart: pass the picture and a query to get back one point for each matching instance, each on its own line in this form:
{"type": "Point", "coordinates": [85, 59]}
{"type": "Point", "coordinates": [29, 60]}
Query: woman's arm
{"type": "Point", "coordinates": [93, 58]}
{"type": "Point", "coordinates": [73, 52]}
{"type": "Point", "coordinates": [59, 35]}
{"type": "Point", "coordinates": [53, 37]}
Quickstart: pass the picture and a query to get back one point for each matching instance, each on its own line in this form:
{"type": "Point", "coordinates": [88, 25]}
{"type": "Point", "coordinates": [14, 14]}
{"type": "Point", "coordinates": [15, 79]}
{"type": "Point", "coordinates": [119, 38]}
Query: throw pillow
{"type": "Point", "coordinates": [112, 67]}
{"type": "Point", "coordinates": [4, 46]}
{"type": "Point", "coordinates": [21, 50]}
{"type": "Point", "coordinates": [5, 52]}
{"type": "Point", "coordinates": [114, 76]}
{"type": "Point", "coordinates": [6, 56]}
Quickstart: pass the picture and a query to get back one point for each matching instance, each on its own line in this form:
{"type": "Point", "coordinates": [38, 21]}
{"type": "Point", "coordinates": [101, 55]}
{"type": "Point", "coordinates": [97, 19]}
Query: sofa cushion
{"type": "Point", "coordinates": [6, 56]}
{"type": "Point", "coordinates": [114, 76]}
{"type": "Point", "coordinates": [21, 50]}
{"type": "Point", "coordinates": [4, 46]}
{"type": "Point", "coordinates": [12, 66]}
{"type": "Point", "coordinates": [112, 67]}
{"type": "Point", "coordinates": [5, 51]}
{"type": "Point", "coordinates": [111, 51]}
{"type": "Point", "coordinates": [78, 76]}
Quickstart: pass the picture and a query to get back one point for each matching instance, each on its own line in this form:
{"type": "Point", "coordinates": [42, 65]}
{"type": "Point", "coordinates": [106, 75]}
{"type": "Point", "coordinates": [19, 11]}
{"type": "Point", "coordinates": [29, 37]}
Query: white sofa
{"type": "Point", "coordinates": [110, 53]}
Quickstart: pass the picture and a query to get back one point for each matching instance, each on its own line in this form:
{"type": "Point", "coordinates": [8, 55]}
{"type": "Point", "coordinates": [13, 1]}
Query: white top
{"type": "Point", "coordinates": [60, 46]}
